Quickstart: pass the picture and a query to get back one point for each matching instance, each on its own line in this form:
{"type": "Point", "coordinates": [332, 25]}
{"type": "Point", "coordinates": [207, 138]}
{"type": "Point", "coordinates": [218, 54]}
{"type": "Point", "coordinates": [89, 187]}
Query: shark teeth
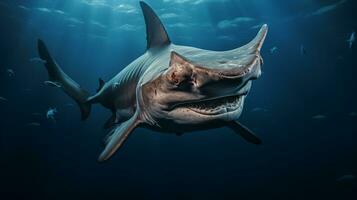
{"type": "Point", "coordinates": [216, 106]}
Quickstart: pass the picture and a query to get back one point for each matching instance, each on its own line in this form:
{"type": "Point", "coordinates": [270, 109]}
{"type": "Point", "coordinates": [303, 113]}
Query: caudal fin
{"type": "Point", "coordinates": [61, 80]}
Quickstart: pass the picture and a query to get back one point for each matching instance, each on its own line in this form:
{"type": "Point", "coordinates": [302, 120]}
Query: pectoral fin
{"type": "Point", "coordinates": [243, 131]}
{"type": "Point", "coordinates": [118, 137]}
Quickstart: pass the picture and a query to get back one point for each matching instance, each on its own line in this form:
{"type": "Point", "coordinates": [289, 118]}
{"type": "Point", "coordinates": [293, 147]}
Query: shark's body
{"type": "Point", "coordinates": [170, 88]}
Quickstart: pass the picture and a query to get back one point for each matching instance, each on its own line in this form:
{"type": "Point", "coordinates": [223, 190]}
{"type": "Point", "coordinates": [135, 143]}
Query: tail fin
{"type": "Point", "coordinates": [63, 81]}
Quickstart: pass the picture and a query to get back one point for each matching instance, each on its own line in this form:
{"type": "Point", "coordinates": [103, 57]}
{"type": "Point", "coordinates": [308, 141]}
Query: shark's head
{"type": "Point", "coordinates": [199, 86]}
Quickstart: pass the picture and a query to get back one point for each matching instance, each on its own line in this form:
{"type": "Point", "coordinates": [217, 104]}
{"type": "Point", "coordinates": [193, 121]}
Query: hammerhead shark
{"type": "Point", "coordinates": [170, 88]}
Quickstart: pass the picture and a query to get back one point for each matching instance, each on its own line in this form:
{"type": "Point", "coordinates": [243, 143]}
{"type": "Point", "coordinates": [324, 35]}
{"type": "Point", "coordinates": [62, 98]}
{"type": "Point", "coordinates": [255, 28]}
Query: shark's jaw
{"type": "Point", "coordinates": [218, 106]}
{"type": "Point", "coordinates": [215, 107]}
{"type": "Point", "coordinates": [222, 109]}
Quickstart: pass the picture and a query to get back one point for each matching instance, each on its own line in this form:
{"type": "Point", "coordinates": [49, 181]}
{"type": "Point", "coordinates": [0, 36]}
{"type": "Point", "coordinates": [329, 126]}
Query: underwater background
{"type": "Point", "coordinates": [303, 106]}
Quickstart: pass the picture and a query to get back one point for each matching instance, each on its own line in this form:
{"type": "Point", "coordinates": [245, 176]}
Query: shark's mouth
{"type": "Point", "coordinates": [215, 106]}
{"type": "Point", "coordinates": [218, 105]}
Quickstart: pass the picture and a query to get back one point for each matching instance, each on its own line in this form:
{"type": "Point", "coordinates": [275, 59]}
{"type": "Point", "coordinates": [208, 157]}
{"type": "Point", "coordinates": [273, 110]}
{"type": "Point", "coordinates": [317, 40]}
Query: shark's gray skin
{"type": "Point", "coordinates": [170, 88]}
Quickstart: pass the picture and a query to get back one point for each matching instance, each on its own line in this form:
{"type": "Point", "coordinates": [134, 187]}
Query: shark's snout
{"type": "Point", "coordinates": [213, 82]}
{"type": "Point", "coordinates": [220, 71]}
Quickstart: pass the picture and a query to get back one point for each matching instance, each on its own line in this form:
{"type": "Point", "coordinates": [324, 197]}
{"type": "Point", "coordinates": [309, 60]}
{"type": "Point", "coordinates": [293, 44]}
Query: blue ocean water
{"type": "Point", "coordinates": [303, 106]}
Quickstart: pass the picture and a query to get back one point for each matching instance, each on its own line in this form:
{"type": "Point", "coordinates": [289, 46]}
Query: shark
{"type": "Point", "coordinates": [170, 88]}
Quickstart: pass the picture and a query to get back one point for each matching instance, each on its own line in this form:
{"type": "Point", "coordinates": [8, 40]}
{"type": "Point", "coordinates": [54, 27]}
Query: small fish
{"type": "Point", "coordinates": [346, 178]}
{"type": "Point", "coordinates": [302, 50]}
{"type": "Point", "coordinates": [318, 117]}
{"type": "Point", "coordinates": [3, 99]}
{"type": "Point", "coordinates": [10, 72]}
{"type": "Point", "coordinates": [53, 84]}
{"type": "Point", "coordinates": [33, 124]}
{"type": "Point", "coordinates": [51, 112]}
{"type": "Point", "coordinates": [37, 59]}
{"type": "Point", "coordinates": [273, 50]}
{"type": "Point", "coordinates": [352, 39]}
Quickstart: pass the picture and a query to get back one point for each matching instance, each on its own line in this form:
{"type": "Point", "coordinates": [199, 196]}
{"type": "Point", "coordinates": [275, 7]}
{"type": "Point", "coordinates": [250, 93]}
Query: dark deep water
{"type": "Point", "coordinates": [303, 106]}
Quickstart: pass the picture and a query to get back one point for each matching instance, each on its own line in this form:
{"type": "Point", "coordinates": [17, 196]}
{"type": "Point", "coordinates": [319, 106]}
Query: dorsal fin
{"type": "Point", "coordinates": [101, 84]}
{"type": "Point", "coordinates": [156, 34]}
